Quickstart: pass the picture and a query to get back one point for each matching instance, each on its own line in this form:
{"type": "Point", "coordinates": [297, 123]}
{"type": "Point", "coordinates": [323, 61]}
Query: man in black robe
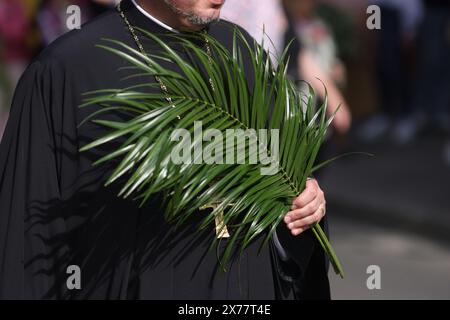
{"type": "Point", "coordinates": [55, 212]}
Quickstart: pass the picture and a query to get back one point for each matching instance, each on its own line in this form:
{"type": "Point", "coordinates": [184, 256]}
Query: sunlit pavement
{"type": "Point", "coordinates": [412, 267]}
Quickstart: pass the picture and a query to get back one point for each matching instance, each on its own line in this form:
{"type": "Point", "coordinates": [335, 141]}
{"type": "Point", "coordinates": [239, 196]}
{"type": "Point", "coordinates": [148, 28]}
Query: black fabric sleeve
{"type": "Point", "coordinates": [28, 180]}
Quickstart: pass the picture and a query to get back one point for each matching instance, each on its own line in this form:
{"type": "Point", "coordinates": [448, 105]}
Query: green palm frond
{"type": "Point", "coordinates": [223, 100]}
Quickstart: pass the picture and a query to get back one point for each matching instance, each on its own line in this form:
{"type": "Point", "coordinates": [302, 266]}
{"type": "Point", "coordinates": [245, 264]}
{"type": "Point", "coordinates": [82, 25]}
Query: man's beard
{"type": "Point", "coordinates": [191, 16]}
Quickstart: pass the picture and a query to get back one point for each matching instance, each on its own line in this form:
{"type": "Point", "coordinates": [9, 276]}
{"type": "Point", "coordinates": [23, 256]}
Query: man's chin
{"type": "Point", "coordinates": [202, 20]}
{"type": "Point", "coordinates": [195, 25]}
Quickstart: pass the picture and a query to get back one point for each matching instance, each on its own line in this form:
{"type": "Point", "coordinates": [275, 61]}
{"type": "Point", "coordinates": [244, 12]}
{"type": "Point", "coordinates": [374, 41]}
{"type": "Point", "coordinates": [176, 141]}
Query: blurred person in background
{"type": "Point", "coordinates": [316, 38]}
{"type": "Point", "coordinates": [430, 97]}
{"type": "Point", "coordinates": [26, 27]}
{"type": "Point", "coordinates": [394, 47]}
{"type": "Point", "coordinates": [272, 20]}
{"type": "Point", "coordinates": [317, 44]}
{"type": "Point", "coordinates": [13, 34]}
{"type": "Point", "coordinates": [52, 15]}
{"type": "Point", "coordinates": [51, 19]}
{"type": "Point", "coordinates": [17, 46]}
{"type": "Point", "coordinates": [432, 90]}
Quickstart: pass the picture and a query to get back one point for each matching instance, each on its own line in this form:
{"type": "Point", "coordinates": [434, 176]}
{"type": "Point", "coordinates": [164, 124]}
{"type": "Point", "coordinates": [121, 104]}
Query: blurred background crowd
{"type": "Point", "coordinates": [391, 210]}
{"type": "Point", "coordinates": [26, 27]}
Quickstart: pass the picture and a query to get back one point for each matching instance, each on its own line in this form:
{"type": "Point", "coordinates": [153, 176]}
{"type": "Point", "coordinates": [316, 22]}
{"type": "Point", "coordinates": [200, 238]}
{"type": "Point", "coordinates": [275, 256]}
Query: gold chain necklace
{"type": "Point", "coordinates": [221, 228]}
{"type": "Point", "coordinates": [142, 50]}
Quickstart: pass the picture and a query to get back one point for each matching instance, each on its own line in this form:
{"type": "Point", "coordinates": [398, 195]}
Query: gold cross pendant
{"type": "Point", "coordinates": [221, 228]}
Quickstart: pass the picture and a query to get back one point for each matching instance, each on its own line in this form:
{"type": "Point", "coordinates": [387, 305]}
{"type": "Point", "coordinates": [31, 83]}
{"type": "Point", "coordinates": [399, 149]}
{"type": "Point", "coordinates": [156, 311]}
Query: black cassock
{"type": "Point", "coordinates": [55, 211]}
